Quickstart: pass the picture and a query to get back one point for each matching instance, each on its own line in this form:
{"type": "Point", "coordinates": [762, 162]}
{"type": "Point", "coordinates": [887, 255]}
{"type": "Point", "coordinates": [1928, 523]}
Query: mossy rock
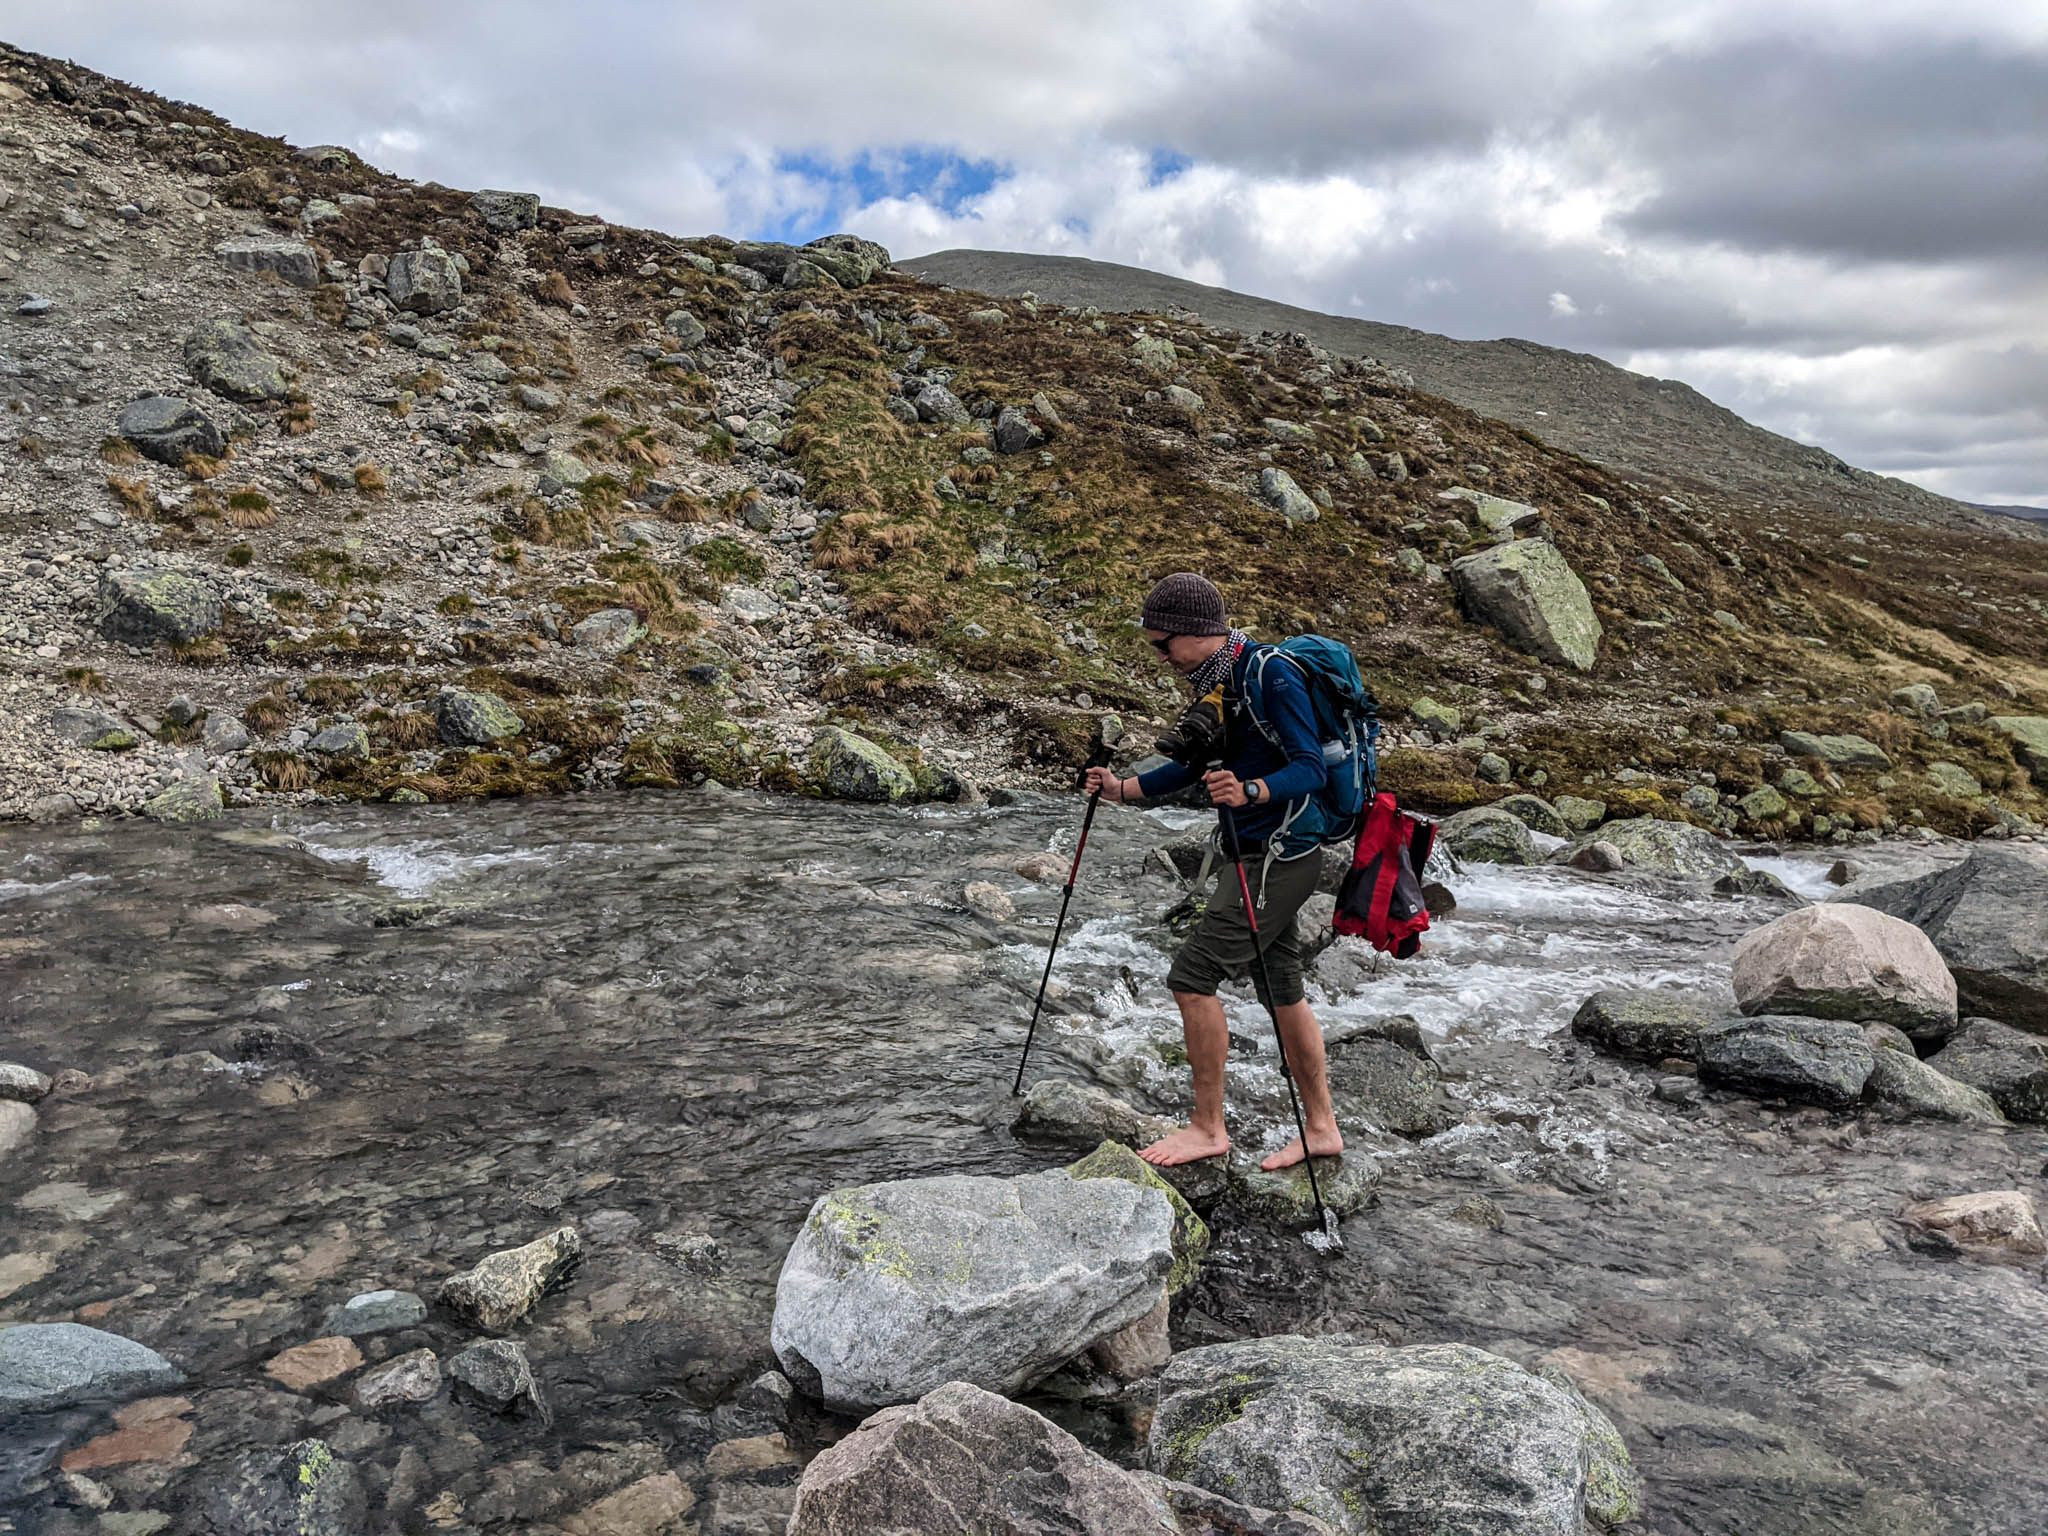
{"type": "Point", "coordinates": [1114, 1160]}
{"type": "Point", "coordinates": [850, 767]}
{"type": "Point", "coordinates": [187, 800]}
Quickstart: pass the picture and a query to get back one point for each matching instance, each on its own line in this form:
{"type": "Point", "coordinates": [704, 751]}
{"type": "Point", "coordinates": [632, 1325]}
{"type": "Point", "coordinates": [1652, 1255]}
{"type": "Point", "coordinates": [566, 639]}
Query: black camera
{"type": "Point", "coordinates": [1196, 738]}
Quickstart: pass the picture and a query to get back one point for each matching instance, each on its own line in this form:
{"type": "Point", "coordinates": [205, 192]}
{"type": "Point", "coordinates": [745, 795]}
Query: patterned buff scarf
{"type": "Point", "coordinates": [1217, 667]}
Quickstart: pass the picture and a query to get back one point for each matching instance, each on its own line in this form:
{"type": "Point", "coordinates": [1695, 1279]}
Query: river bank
{"type": "Point", "coordinates": [410, 1037]}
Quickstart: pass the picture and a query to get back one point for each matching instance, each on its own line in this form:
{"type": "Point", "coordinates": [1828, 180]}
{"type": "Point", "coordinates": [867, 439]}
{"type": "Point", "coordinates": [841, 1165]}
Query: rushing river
{"type": "Point", "coordinates": [360, 1048]}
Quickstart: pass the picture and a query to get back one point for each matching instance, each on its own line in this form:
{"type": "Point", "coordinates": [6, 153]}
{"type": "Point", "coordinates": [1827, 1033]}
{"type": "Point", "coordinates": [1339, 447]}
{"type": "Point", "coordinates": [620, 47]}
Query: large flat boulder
{"type": "Point", "coordinates": [168, 429]}
{"type": "Point", "coordinates": [892, 1290]}
{"type": "Point", "coordinates": [1813, 1061]}
{"type": "Point", "coordinates": [1668, 847]}
{"type": "Point", "coordinates": [2007, 1064]}
{"type": "Point", "coordinates": [1837, 960]}
{"type": "Point", "coordinates": [1379, 1083]}
{"type": "Point", "coordinates": [294, 261]}
{"type": "Point", "coordinates": [424, 282]}
{"type": "Point", "coordinates": [1528, 592]}
{"type": "Point", "coordinates": [1901, 1082]}
{"type": "Point", "coordinates": [1988, 918]}
{"type": "Point", "coordinates": [1647, 1026]}
{"type": "Point", "coordinates": [850, 767]}
{"type": "Point", "coordinates": [53, 1365]}
{"type": "Point", "coordinates": [1835, 751]}
{"type": "Point", "coordinates": [225, 356]}
{"type": "Point", "coordinates": [1488, 835]}
{"type": "Point", "coordinates": [964, 1462]}
{"type": "Point", "coordinates": [1427, 1440]}
{"type": "Point", "coordinates": [141, 606]}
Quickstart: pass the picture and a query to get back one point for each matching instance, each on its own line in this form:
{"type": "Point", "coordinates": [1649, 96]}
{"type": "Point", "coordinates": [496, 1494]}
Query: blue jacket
{"type": "Point", "coordinates": [1289, 774]}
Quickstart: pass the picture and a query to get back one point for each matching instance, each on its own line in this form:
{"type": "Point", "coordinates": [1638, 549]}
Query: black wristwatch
{"type": "Point", "coordinates": [1264, 793]}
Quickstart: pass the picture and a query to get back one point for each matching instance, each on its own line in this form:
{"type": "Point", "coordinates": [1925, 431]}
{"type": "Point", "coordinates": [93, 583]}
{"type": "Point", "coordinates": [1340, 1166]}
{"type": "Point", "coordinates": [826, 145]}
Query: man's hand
{"type": "Point", "coordinates": [1100, 781]}
{"type": "Point", "coordinates": [1224, 788]}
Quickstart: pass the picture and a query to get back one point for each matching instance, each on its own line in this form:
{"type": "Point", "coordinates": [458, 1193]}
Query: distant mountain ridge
{"type": "Point", "coordinates": [1570, 399]}
{"type": "Point", "coordinates": [2026, 514]}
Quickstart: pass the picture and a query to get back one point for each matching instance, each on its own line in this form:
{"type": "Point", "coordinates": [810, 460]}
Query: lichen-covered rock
{"type": "Point", "coordinates": [506, 212]}
{"type": "Point", "coordinates": [1815, 1061]}
{"type": "Point", "coordinates": [467, 717]}
{"type": "Point", "coordinates": [1988, 918]}
{"type": "Point", "coordinates": [1114, 1160]}
{"type": "Point", "coordinates": [303, 1489]}
{"type": "Point", "coordinates": [1278, 491]}
{"type": "Point", "coordinates": [53, 1365]}
{"type": "Point", "coordinates": [939, 405]}
{"type": "Point", "coordinates": [187, 800]}
{"type": "Point", "coordinates": [168, 429]}
{"type": "Point", "coordinates": [1646, 1026]}
{"type": "Point", "coordinates": [141, 606]}
{"type": "Point", "coordinates": [375, 1312]}
{"type": "Point", "coordinates": [1535, 813]}
{"type": "Point", "coordinates": [891, 1290]}
{"type": "Point", "coordinates": [1671, 848]}
{"type": "Point", "coordinates": [2009, 1065]}
{"type": "Point", "coordinates": [1155, 355]}
{"type": "Point", "coordinates": [1836, 751]}
{"type": "Point", "coordinates": [609, 631]}
{"type": "Point", "coordinates": [1286, 1199]}
{"type": "Point", "coordinates": [1527, 592]}
{"type": "Point", "coordinates": [1059, 1110]}
{"type": "Point", "coordinates": [1901, 1081]}
{"type": "Point", "coordinates": [509, 1284]}
{"type": "Point", "coordinates": [2029, 737]}
{"type": "Point", "coordinates": [1581, 814]}
{"type": "Point", "coordinates": [424, 282]}
{"type": "Point", "coordinates": [1837, 960]}
{"type": "Point", "coordinates": [292, 260]}
{"type": "Point", "coordinates": [1496, 514]}
{"type": "Point", "coordinates": [225, 356]}
{"type": "Point", "coordinates": [561, 472]}
{"type": "Point", "coordinates": [349, 738]}
{"type": "Point", "coordinates": [685, 327]}
{"type": "Point", "coordinates": [849, 260]}
{"type": "Point", "coordinates": [1428, 1440]}
{"type": "Point", "coordinates": [850, 767]}
{"type": "Point", "coordinates": [1379, 1084]}
{"type": "Point", "coordinates": [1487, 835]}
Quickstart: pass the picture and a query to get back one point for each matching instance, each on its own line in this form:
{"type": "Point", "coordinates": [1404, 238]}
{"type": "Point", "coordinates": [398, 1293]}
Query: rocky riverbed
{"type": "Point", "coordinates": [305, 1070]}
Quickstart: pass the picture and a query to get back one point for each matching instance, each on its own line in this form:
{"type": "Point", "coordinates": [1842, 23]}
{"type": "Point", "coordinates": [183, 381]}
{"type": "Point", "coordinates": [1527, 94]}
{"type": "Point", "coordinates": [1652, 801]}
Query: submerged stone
{"type": "Point", "coordinates": [509, 1284]}
{"type": "Point", "coordinates": [53, 1365]}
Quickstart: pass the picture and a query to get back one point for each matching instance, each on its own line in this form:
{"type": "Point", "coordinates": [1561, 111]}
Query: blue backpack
{"type": "Point", "coordinates": [1347, 724]}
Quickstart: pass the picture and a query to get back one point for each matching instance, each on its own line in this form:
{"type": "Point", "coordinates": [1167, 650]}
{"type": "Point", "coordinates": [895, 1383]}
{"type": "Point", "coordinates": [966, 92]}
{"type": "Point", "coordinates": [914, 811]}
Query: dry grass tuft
{"type": "Point", "coordinates": [248, 507]}
{"type": "Point", "coordinates": [118, 451]}
{"type": "Point", "coordinates": [297, 419]}
{"type": "Point", "coordinates": [284, 770]}
{"type": "Point", "coordinates": [370, 479]}
{"type": "Point", "coordinates": [134, 494]}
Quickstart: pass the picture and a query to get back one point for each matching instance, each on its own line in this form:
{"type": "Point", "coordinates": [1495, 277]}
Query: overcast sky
{"type": "Point", "coordinates": [1829, 215]}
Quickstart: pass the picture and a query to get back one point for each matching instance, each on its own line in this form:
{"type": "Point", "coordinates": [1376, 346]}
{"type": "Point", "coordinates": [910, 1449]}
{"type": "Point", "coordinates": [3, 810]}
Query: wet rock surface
{"type": "Point", "coordinates": [1988, 918]}
{"type": "Point", "coordinates": [1430, 1439]}
{"type": "Point", "coordinates": [892, 1289]}
{"type": "Point", "coordinates": [1728, 1281]}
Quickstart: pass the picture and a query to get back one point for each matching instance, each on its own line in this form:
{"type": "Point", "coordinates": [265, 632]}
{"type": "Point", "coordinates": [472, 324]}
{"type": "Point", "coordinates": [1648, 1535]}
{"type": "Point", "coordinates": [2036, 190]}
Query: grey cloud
{"type": "Point", "coordinates": [1910, 155]}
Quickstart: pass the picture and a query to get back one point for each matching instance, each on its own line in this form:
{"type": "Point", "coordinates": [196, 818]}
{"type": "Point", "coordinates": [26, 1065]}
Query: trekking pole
{"type": "Point", "coordinates": [1251, 918]}
{"type": "Point", "coordinates": [1098, 759]}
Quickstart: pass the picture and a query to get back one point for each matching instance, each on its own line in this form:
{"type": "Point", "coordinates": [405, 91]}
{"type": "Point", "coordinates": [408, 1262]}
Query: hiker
{"type": "Point", "coordinates": [1265, 780]}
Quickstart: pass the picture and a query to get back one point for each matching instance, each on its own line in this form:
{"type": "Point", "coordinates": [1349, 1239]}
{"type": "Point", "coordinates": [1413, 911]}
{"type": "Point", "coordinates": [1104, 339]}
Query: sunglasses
{"type": "Point", "coordinates": [1163, 645]}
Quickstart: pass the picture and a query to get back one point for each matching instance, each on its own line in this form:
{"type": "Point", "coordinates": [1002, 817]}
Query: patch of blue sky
{"type": "Point", "coordinates": [1165, 165]}
{"type": "Point", "coordinates": [948, 181]}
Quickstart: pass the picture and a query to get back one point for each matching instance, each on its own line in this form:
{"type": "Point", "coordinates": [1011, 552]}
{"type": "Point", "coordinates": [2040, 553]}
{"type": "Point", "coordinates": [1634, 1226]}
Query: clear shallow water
{"type": "Point", "coordinates": [440, 1031]}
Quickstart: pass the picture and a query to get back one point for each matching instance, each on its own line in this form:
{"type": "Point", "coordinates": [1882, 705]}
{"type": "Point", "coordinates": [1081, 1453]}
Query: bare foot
{"type": "Point", "coordinates": [1322, 1143]}
{"type": "Point", "coordinates": [1186, 1145]}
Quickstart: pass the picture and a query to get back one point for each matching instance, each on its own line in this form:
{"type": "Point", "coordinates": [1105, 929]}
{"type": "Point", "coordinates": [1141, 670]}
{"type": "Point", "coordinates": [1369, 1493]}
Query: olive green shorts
{"type": "Point", "coordinates": [1220, 949]}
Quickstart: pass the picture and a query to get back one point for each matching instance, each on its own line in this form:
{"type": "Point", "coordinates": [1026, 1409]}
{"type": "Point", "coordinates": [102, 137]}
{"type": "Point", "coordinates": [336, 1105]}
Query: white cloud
{"type": "Point", "coordinates": [1561, 305]}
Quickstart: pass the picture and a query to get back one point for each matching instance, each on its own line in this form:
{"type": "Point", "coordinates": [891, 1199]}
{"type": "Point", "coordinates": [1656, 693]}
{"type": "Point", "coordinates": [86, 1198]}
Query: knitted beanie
{"type": "Point", "coordinates": [1185, 604]}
